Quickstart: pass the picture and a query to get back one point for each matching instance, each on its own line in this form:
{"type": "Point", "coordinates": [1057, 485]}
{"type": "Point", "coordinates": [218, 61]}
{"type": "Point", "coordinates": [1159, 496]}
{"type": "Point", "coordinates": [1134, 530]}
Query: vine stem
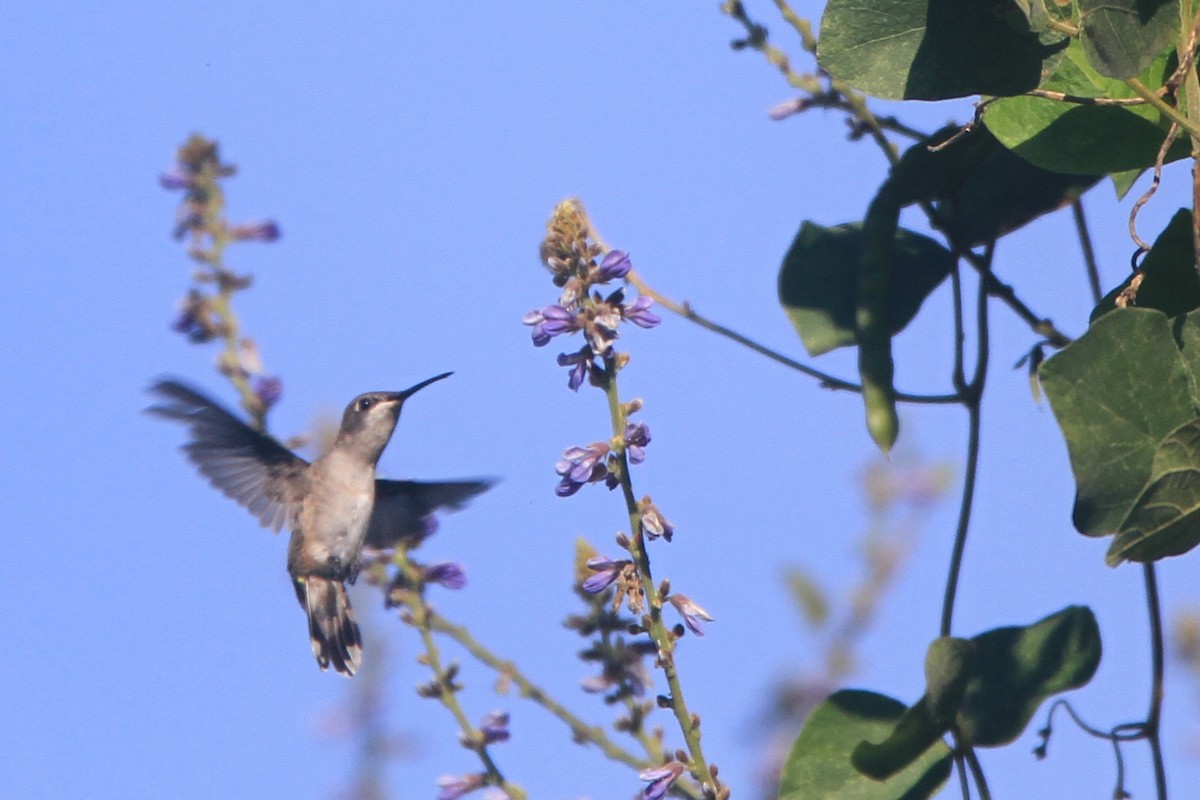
{"type": "Point", "coordinates": [972, 393]}
{"type": "Point", "coordinates": [1154, 715]}
{"type": "Point", "coordinates": [972, 397]}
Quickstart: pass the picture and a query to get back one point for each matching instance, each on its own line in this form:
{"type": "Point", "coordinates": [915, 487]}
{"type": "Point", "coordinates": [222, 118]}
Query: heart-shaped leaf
{"type": "Point", "coordinates": [819, 766]}
{"type": "Point", "coordinates": [1165, 518]}
{"type": "Point", "coordinates": [932, 49]}
{"type": "Point", "coordinates": [1116, 392]}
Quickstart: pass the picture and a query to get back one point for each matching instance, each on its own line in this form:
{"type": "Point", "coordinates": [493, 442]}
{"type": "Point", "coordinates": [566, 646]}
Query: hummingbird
{"type": "Point", "coordinates": [334, 506]}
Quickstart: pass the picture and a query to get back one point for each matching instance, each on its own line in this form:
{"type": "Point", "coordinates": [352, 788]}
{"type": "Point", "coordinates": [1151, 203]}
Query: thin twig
{"type": "Point", "coordinates": [1087, 101]}
{"type": "Point", "coordinates": [828, 381]}
{"type": "Point", "coordinates": [1159, 160]}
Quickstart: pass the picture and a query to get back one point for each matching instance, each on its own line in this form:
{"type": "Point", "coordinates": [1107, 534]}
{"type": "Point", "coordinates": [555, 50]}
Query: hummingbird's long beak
{"type": "Point", "coordinates": [409, 392]}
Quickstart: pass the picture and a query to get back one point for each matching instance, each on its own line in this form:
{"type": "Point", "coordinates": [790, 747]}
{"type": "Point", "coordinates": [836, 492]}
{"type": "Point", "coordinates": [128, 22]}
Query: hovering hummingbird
{"type": "Point", "coordinates": [333, 506]}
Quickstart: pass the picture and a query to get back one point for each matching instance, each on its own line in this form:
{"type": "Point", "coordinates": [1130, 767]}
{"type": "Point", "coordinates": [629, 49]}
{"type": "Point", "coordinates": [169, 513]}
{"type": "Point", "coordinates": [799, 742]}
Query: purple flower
{"type": "Point", "coordinates": [263, 230]}
{"type": "Point", "coordinates": [660, 779]}
{"type": "Point", "coordinates": [549, 322]}
{"type": "Point", "coordinates": [615, 264]}
{"type": "Point", "coordinates": [600, 328]}
{"type": "Point", "coordinates": [786, 108]}
{"type": "Point", "coordinates": [692, 614]}
{"type": "Point", "coordinates": [429, 526]}
{"type": "Point", "coordinates": [607, 571]}
{"type": "Point", "coordinates": [580, 465]}
{"type": "Point", "coordinates": [495, 727]}
{"type": "Point", "coordinates": [636, 438]}
{"type": "Point", "coordinates": [176, 178]}
{"type": "Point", "coordinates": [581, 363]}
{"type": "Point", "coordinates": [445, 573]}
{"type": "Point", "coordinates": [455, 786]}
{"type": "Point", "coordinates": [654, 524]}
{"type": "Point", "coordinates": [268, 389]}
{"type": "Point", "coordinates": [638, 312]}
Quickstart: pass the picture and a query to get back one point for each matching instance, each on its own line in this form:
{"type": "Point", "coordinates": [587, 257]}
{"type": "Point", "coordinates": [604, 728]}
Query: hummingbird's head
{"type": "Point", "coordinates": [369, 420]}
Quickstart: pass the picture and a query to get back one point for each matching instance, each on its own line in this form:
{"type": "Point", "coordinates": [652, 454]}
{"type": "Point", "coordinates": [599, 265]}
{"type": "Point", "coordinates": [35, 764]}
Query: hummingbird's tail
{"type": "Point", "coordinates": [331, 625]}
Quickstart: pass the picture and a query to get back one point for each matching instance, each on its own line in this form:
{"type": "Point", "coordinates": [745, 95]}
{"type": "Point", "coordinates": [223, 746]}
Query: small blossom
{"type": "Point", "coordinates": [638, 312]}
{"type": "Point", "coordinates": [494, 793]}
{"type": "Point", "coordinates": [445, 573]}
{"type": "Point", "coordinates": [582, 364]}
{"type": "Point", "coordinates": [596, 684]}
{"type": "Point", "coordinates": [785, 109]}
{"type": "Point", "coordinates": [579, 463]}
{"type": "Point", "coordinates": [654, 524]}
{"type": "Point", "coordinates": [549, 322]}
{"type": "Point", "coordinates": [455, 786]}
{"type": "Point", "coordinates": [607, 571]}
{"type": "Point", "coordinates": [176, 178]}
{"type": "Point", "coordinates": [692, 613]}
{"type": "Point", "coordinates": [615, 264]}
{"type": "Point", "coordinates": [636, 438]}
{"type": "Point", "coordinates": [264, 230]}
{"type": "Point", "coordinates": [494, 727]}
{"type": "Point", "coordinates": [196, 319]}
{"type": "Point", "coordinates": [660, 780]}
{"type": "Point", "coordinates": [600, 328]}
{"type": "Point", "coordinates": [268, 389]}
{"type": "Point", "coordinates": [429, 526]}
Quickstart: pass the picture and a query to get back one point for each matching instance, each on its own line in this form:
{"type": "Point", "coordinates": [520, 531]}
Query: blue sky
{"type": "Point", "coordinates": [411, 155]}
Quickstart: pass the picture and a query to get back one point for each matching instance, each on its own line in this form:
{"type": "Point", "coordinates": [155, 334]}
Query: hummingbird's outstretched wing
{"type": "Point", "coordinates": [401, 507]}
{"type": "Point", "coordinates": [251, 467]}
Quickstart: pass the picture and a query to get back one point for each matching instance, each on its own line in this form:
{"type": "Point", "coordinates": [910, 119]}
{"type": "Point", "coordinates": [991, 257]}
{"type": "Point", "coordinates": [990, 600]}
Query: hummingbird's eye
{"type": "Point", "coordinates": [364, 404]}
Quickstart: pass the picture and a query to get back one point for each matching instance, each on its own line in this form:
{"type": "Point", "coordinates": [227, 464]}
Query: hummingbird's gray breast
{"type": "Point", "coordinates": [333, 521]}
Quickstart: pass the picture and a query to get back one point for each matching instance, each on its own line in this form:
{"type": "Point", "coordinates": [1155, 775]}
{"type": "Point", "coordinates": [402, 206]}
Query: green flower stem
{"type": "Point", "coordinates": [422, 619]}
{"type": "Point", "coordinates": [659, 632]}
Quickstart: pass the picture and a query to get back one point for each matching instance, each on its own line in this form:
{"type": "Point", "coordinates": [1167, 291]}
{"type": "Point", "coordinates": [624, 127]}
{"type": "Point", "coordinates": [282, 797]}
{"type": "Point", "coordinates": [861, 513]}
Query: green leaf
{"type": "Point", "coordinates": [1006, 192]}
{"type": "Point", "coordinates": [819, 766]}
{"type": "Point", "coordinates": [818, 283]}
{"type": "Point", "coordinates": [1085, 139]}
{"type": "Point", "coordinates": [949, 664]}
{"type": "Point", "coordinates": [1116, 392]}
{"type": "Point", "coordinates": [1169, 282]}
{"type": "Point", "coordinates": [913, 734]}
{"type": "Point", "coordinates": [931, 49]}
{"type": "Point", "coordinates": [1016, 668]}
{"type": "Point", "coordinates": [1123, 181]}
{"type": "Point", "coordinates": [1122, 37]}
{"type": "Point", "coordinates": [988, 687]}
{"type": "Point", "coordinates": [1165, 519]}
